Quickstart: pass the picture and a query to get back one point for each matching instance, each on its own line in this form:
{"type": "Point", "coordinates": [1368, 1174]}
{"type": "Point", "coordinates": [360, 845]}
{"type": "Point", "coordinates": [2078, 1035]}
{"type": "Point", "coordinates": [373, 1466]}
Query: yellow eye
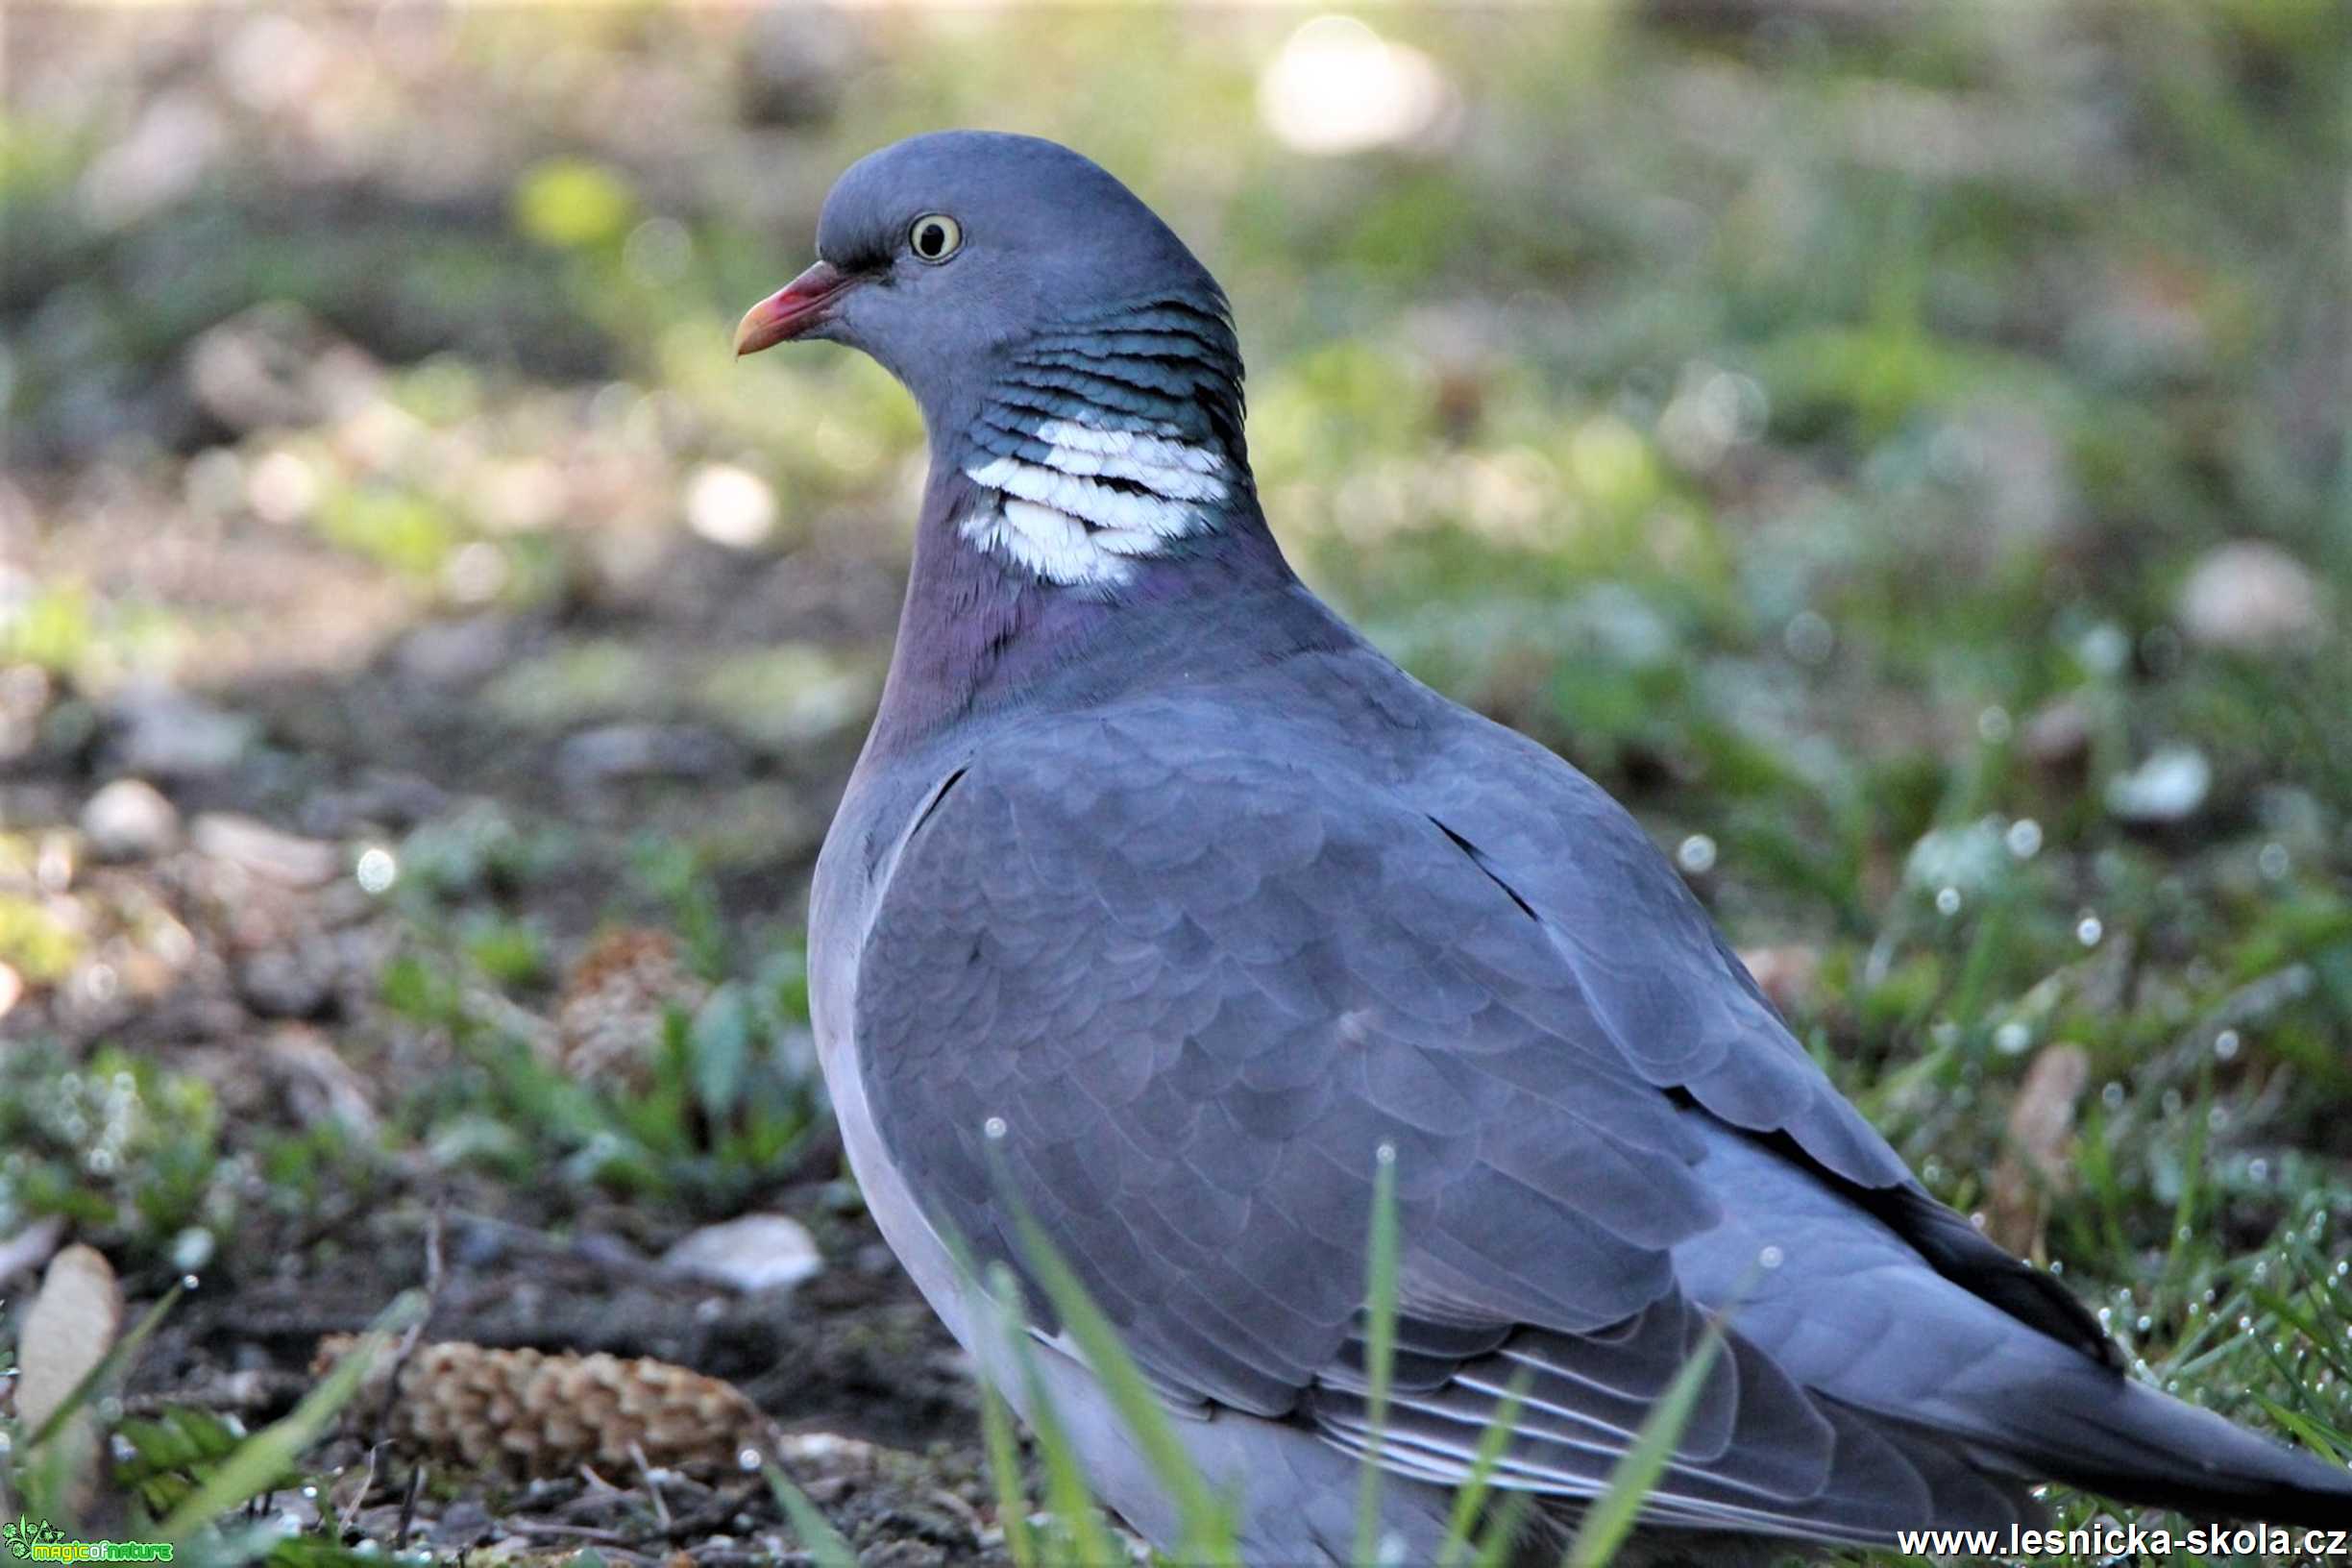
{"type": "Point", "coordinates": [935, 236]}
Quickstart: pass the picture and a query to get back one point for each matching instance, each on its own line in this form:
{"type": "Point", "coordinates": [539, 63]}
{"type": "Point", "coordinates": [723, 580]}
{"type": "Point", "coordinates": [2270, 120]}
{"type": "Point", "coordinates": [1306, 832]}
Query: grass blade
{"type": "Point", "coordinates": [2324, 1441]}
{"type": "Point", "coordinates": [270, 1452]}
{"type": "Point", "coordinates": [1497, 1548]}
{"type": "Point", "coordinates": [1207, 1530]}
{"type": "Point", "coordinates": [824, 1543]}
{"type": "Point", "coordinates": [2302, 1321]}
{"type": "Point", "coordinates": [1083, 1539]}
{"type": "Point", "coordinates": [1379, 1346]}
{"type": "Point", "coordinates": [1005, 1470]}
{"type": "Point", "coordinates": [1610, 1518]}
{"type": "Point", "coordinates": [1471, 1497]}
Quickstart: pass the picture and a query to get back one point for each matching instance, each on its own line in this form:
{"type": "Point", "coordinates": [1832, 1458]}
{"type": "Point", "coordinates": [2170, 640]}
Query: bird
{"type": "Point", "coordinates": [1162, 911]}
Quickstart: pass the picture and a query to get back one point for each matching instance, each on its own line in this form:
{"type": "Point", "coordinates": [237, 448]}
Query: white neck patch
{"type": "Point", "coordinates": [1059, 518]}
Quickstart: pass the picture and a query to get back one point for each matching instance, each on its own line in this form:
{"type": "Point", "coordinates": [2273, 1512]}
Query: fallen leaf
{"type": "Point", "coordinates": [2037, 1162]}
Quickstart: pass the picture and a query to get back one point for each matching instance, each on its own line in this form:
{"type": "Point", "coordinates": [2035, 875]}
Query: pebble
{"type": "Point", "coordinates": [130, 820]}
{"type": "Point", "coordinates": [277, 365]}
{"type": "Point", "coordinates": [758, 1252]}
{"type": "Point", "coordinates": [457, 653]}
{"type": "Point", "coordinates": [26, 1251]}
{"type": "Point", "coordinates": [2170, 787]}
{"type": "Point", "coordinates": [613, 753]}
{"type": "Point", "coordinates": [266, 851]}
{"type": "Point", "coordinates": [163, 733]}
{"type": "Point", "coordinates": [2058, 735]}
{"type": "Point", "coordinates": [2251, 598]}
{"type": "Point", "coordinates": [1786, 974]}
{"type": "Point", "coordinates": [462, 1523]}
{"type": "Point", "coordinates": [285, 982]}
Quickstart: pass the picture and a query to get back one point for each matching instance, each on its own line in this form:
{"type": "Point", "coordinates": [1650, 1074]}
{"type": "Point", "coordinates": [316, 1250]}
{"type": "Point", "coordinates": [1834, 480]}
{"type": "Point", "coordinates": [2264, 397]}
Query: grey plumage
{"type": "Point", "coordinates": [1156, 868]}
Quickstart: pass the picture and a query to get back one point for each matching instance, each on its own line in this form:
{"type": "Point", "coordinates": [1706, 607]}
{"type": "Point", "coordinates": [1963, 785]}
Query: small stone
{"type": "Point", "coordinates": [277, 365]}
{"type": "Point", "coordinates": [266, 851]}
{"type": "Point", "coordinates": [283, 488]}
{"type": "Point", "coordinates": [2057, 736]}
{"type": "Point", "coordinates": [758, 1252]}
{"type": "Point", "coordinates": [616, 753]}
{"type": "Point", "coordinates": [463, 1522]}
{"type": "Point", "coordinates": [163, 733]}
{"type": "Point", "coordinates": [31, 1247]}
{"type": "Point", "coordinates": [1787, 974]}
{"type": "Point", "coordinates": [2170, 787]}
{"type": "Point", "coordinates": [130, 820]}
{"type": "Point", "coordinates": [2251, 598]}
{"type": "Point", "coordinates": [323, 1088]}
{"type": "Point", "coordinates": [285, 983]}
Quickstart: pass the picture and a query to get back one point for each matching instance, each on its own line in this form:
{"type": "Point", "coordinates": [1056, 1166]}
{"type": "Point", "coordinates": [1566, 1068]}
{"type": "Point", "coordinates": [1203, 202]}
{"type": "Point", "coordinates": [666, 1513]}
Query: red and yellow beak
{"type": "Point", "coordinates": [790, 310]}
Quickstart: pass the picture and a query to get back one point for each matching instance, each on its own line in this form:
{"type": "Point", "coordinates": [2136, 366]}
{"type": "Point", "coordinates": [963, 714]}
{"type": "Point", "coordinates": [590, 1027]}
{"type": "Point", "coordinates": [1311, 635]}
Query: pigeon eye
{"type": "Point", "coordinates": [935, 236]}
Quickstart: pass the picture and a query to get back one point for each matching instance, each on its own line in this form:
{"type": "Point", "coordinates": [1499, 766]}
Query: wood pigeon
{"type": "Point", "coordinates": [1161, 905]}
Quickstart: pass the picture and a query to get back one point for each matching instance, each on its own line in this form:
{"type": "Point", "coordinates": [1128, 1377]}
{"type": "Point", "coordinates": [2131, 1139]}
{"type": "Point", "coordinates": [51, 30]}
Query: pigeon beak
{"type": "Point", "coordinates": [792, 311]}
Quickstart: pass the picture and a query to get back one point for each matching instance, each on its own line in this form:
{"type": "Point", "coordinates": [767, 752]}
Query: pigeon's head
{"type": "Point", "coordinates": [942, 254]}
{"type": "Point", "coordinates": [1077, 367]}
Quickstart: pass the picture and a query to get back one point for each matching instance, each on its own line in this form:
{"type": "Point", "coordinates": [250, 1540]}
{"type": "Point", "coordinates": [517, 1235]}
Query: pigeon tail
{"type": "Point", "coordinates": [2125, 1440]}
{"type": "Point", "coordinates": [1860, 1311]}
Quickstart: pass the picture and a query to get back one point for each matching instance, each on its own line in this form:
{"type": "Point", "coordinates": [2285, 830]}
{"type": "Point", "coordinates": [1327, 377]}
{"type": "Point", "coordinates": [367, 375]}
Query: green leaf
{"type": "Point", "coordinates": [718, 1050]}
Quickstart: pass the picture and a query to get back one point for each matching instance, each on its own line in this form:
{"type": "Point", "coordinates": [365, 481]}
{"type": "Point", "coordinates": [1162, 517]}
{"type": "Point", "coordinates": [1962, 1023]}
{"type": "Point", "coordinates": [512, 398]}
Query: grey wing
{"type": "Point", "coordinates": [1677, 1006]}
{"type": "Point", "coordinates": [1199, 987]}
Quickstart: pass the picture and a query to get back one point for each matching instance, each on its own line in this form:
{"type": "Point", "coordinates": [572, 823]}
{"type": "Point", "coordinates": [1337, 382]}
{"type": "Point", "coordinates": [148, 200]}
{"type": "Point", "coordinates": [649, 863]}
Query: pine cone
{"type": "Point", "coordinates": [608, 1022]}
{"type": "Point", "coordinates": [526, 1414]}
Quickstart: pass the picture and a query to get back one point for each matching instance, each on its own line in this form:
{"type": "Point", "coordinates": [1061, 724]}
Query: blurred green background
{"type": "Point", "coordinates": [1903, 449]}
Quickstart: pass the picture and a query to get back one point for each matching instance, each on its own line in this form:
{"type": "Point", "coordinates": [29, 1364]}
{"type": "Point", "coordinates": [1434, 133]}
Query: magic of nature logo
{"type": "Point", "coordinates": [41, 1541]}
{"type": "Point", "coordinates": [23, 1535]}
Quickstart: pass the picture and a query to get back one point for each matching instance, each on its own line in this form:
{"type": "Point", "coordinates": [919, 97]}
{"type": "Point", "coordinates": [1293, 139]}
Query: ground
{"type": "Point", "coordinates": [1902, 452]}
